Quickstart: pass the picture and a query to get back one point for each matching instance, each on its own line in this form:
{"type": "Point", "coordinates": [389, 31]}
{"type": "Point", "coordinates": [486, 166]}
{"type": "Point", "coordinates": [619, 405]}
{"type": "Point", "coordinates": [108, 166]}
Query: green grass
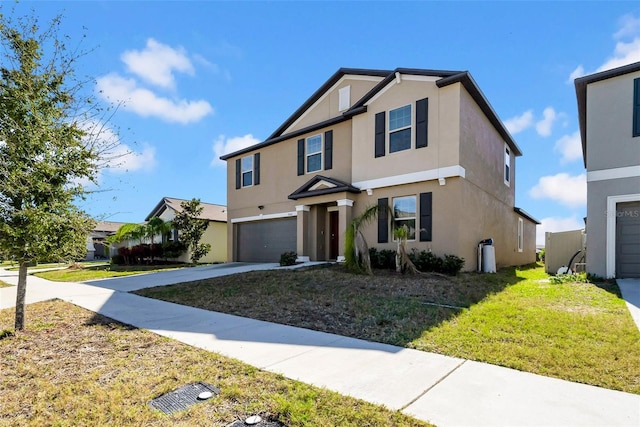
{"type": "Point", "coordinates": [71, 367]}
{"type": "Point", "coordinates": [577, 331]}
{"type": "Point", "coordinates": [103, 271]}
{"type": "Point", "coordinates": [15, 267]}
{"type": "Point", "coordinates": [4, 284]}
{"type": "Point", "coordinates": [516, 318]}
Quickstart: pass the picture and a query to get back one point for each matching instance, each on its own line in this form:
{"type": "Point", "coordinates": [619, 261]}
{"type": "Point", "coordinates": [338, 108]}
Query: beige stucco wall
{"type": "Point", "coordinates": [610, 143]}
{"type": "Point", "coordinates": [482, 152]}
{"type": "Point", "coordinates": [279, 178]}
{"type": "Point", "coordinates": [327, 107]}
{"type": "Point", "coordinates": [443, 134]}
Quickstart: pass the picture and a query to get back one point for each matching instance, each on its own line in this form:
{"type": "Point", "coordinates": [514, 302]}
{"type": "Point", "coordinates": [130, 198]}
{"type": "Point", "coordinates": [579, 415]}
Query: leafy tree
{"type": "Point", "coordinates": [191, 228]}
{"type": "Point", "coordinates": [44, 149]}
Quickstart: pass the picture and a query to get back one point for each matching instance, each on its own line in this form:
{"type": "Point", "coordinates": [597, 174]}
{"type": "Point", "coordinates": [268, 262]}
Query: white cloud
{"type": "Point", "coordinates": [570, 146]}
{"type": "Point", "coordinates": [128, 160]}
{"type": "Point", "coordinates": [578, 72]}
{"type": "Point", "coordinates": [543, 127]}
{"type": "Point", "coordinates": [519, 123]}
{"type": "Point", "coordinates": [556, 224]}
{"type": "Point", "coordinates": [224, 145]}
{"type": "Point", "coordinates": [624, 54]}
{"type": "Point", "coordinates": [146, 103]}
{"type": "Point", "coordinates": [629, 27]}
{"type": "Point", "coordinates": [563, 188]}
{"type": "Point", "coordinates": [156, 63]}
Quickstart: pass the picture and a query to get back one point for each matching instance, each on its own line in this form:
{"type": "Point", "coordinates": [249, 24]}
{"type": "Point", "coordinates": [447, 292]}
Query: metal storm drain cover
{"type": "Point", "coordinates": [185, 396]}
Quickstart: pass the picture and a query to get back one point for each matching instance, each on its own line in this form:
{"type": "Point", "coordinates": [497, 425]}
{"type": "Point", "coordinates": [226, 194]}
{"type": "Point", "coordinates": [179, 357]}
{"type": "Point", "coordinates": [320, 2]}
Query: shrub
{"type": "Point", "coordinates": [173, 249]}
{"type": "Point", "coordinates": [288, 258]}
{"type": "Point", "coordinates": [117, 260]}
{"type": "Point", "coordinates": [385, 258]}
{"type": "Point", "coordinates": [426, 261]}
{"type": "Point", "coordinates": [452, 264]}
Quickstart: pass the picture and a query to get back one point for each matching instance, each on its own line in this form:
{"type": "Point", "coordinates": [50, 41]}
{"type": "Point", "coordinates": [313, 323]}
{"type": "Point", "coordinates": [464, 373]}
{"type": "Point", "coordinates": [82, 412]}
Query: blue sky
{"type": "Point", "coordinates": [200, 79]}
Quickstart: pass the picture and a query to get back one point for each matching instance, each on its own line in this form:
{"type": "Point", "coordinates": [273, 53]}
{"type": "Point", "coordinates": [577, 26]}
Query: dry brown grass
{"type": "Point", "coordinates": [74, 368]}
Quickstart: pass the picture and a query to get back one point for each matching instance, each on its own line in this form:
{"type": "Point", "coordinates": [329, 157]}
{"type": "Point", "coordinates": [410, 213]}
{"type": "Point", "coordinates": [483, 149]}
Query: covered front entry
{"type": "Point", "coordinates": [628, 240]}
{"type": "Point", "coordinates": [265, 241]}
{"type": "Point", "coordinates": [323, 215]}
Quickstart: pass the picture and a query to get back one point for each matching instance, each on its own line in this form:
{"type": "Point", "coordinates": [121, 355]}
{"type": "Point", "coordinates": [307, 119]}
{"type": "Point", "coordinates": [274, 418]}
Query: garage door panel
{"type": "Point", "coordinates": [628, 240]}
{"type": "Point", "coordinates": [265, 241]}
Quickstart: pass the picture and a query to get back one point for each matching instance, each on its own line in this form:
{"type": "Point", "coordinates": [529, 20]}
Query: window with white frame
{"type": "Point", "coordinates": [520, 235]}
{"type": "Point", "coordinates": [507, 165]}
{"type": "Point", "coordinates": [400, 129]}
{"type": "Point", "coordinates": [314, 153]}
{"type": "Point", "coordinates": [247, 171]}
{"type": "Point", "coordinates": [404, 213]}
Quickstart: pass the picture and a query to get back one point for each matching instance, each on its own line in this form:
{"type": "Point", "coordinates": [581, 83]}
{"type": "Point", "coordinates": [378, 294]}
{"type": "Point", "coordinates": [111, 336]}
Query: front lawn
{"type": "Point", "coordinates": [71, 367]}
{"type": "Point", "coordinates": [102, 271]}
{"type": "Point", "coordinates": [575, 331]}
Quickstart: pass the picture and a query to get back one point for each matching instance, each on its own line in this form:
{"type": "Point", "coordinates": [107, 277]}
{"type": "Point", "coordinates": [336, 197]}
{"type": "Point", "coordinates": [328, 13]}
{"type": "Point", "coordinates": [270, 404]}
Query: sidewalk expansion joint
{"type": "Point", "coordinates": [432, 386]}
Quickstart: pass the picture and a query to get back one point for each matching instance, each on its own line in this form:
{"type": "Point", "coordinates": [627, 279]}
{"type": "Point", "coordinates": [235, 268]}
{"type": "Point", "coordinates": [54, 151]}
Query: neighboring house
{"type": "Point", "coordinates": [609, 115]}
{"type": "Point", "coordinates": [425, 143]}
{"type": "Point", "coordinates": [215, 235]}
{"type": "Point", "coordinates": [97, 246]}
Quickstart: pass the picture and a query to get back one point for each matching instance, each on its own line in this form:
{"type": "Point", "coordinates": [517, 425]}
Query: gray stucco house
{"type": "Point", "coordinates": [609, 115]}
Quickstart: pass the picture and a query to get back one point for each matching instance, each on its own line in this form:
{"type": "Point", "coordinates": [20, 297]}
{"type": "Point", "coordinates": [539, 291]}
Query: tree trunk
{"type": "Point", "coordinates": [21, 295]}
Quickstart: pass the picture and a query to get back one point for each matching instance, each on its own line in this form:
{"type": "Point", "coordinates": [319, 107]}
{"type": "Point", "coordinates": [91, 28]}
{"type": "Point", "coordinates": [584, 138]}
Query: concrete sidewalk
{"type": "Point", "coordinates": [443, 390]}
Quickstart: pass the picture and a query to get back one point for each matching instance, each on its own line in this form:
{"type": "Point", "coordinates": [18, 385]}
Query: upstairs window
{"type": "Point", "coordinates": [404, 212]}
{"type": "Point", "coordinates": [247, 171]}
{"type": "Point", "coordinates": [507, 166]}
{"type": "Point", "coordinates": [400, 129]}
{"type": "Point", "coordinates": [314, 153]}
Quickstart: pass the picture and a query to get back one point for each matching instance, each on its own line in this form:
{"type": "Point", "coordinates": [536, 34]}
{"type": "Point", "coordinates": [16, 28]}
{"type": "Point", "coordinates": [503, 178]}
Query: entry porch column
{"type": "Point", "coordinates": [302, 243]}
{"type": "Point", "coordinates": [345, 215]}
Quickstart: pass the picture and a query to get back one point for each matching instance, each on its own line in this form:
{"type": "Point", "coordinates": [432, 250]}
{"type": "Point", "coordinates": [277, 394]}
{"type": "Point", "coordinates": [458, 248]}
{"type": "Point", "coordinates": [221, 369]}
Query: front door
{"type": "Point", "coordinates": [333, 235]}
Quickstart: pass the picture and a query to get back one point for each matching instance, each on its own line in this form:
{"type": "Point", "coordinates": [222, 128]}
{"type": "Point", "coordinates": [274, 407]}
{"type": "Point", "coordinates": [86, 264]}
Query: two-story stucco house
{"type": "Point", "coordinates": [609, 116]}
{"type": "Point", "coordinates": [424, 142]}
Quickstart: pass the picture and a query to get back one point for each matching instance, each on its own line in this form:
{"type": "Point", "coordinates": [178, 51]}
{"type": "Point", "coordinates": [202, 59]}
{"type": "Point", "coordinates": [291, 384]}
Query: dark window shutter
{"type": "Point", "coordinates": [380, 134]}
{"type": "Point", "coordinates": [426, 205]}
{"type": "Point", "coordinates": [301, 157]}
{"type": "Point", "coordinates": [328, 149]}
{"type": "Point", "coordinates": [383, 220]}
{"type": "Point", "coordinates": [636, 107]}
{"type": "Point", "coordinates": [256, 169]}
{"type": "Point", "coordinates": [238, 173]}
{"type": "Point", "coordinates": [422, 123]}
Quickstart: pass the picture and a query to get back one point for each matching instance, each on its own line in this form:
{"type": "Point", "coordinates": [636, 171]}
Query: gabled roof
{"type": "Point", "coordinates": [210, 211]}
{"type": "Point", "coordinates": [359, 107]}
{"type": "Point", "coordinates": [581, 95]}
{"type": "Point", "coordinates": [107, 226]}
{"type": "Point", "coordinates": [319, 185]}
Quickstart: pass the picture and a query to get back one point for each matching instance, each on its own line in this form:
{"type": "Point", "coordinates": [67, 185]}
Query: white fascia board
{"type": "Point", "coordinates": [327, 92]}
{"type": "Point", "coordinates": [409, 178]}
{"type": "Point", "coordinates": [263, 217]}
{"type": "Point", "coordinates": [395, 81]}
{"type": "Point", "coordinates": [615, 173]}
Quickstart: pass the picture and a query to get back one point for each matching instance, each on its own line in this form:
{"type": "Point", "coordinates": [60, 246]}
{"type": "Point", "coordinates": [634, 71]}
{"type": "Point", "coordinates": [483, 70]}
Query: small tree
{"type": "Point", "coordinates": [44, 151]}
{"type": "Point", "coordinates": [191, 228]}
